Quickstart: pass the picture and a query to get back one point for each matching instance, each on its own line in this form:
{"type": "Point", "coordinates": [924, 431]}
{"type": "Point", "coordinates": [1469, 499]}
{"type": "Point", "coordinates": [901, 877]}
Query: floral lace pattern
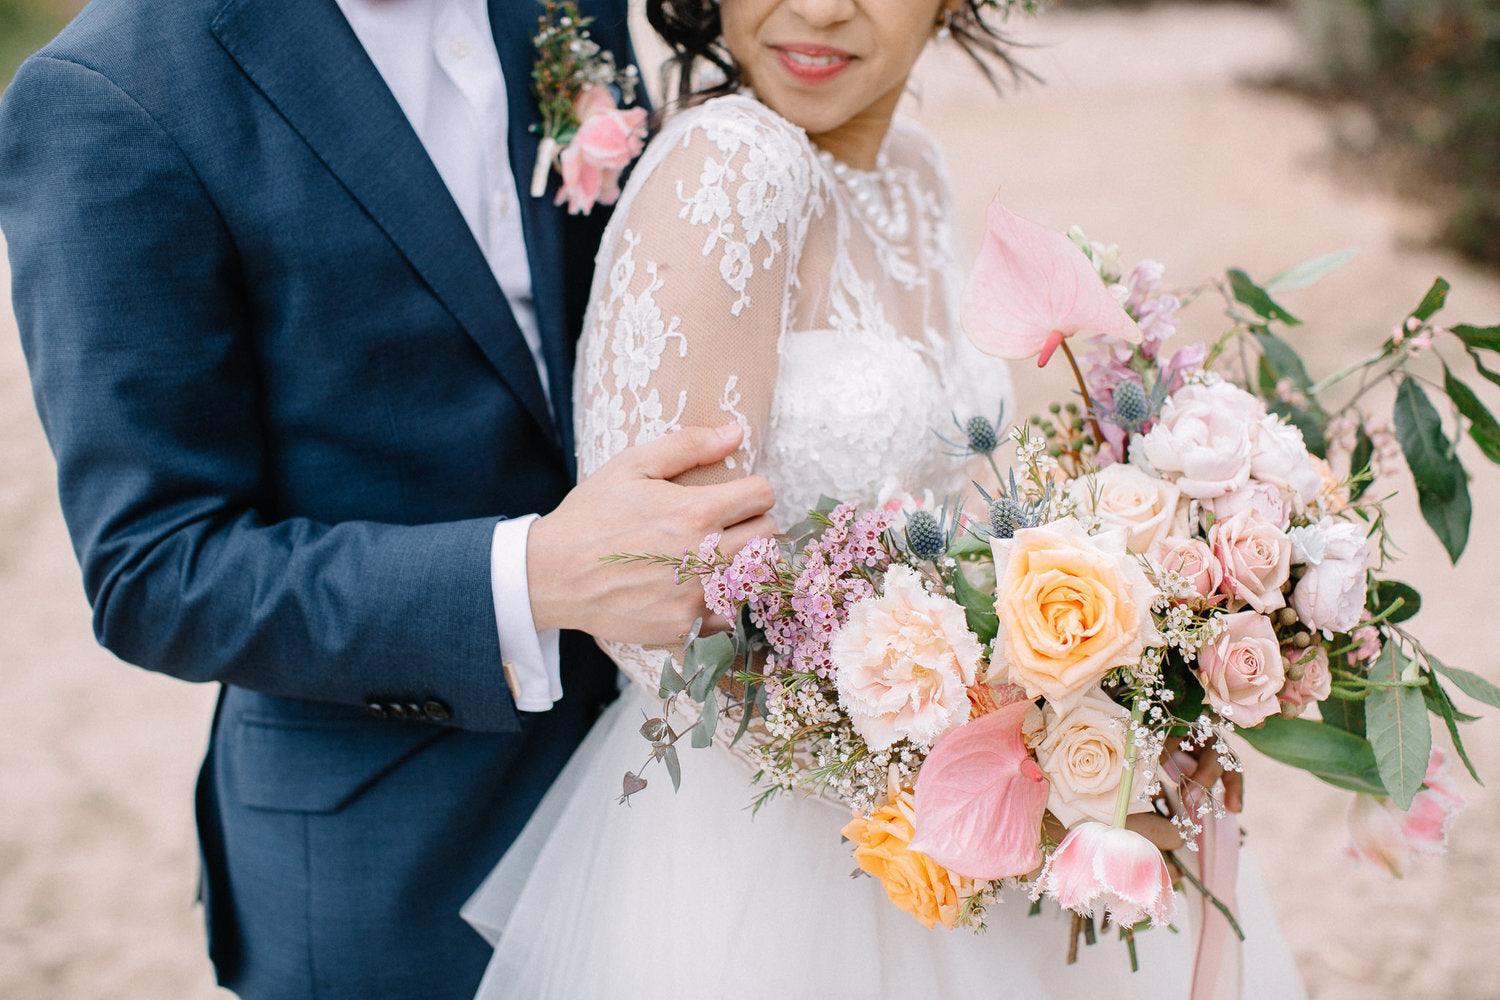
{"type": "Point", "coordinates": [743, 277]}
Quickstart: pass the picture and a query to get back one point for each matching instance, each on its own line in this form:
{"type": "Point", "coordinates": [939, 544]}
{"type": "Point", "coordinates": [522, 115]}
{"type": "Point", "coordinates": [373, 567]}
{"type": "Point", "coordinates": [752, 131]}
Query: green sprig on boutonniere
{"type": "Point", "coordinates": [585, 133]}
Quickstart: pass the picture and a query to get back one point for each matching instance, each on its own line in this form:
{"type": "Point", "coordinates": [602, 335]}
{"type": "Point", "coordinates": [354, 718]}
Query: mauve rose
{"type": "Point", "coordinates": [1265, 499]}
{"type": "Point", "coordinates": [1190, 558]}
{"type": "Point", "coordinates": [1308, 679]}
{"type": "Point", "coordinates": [1256, 557]}
{"type": "Point", "coordinates": [1204, 439]}
{"type": "Point", "coordinates": [1242, 672]}
{"type": "Point", "coordinates": [1282, 459]}
{"type": "Point", "coordinates": [1331, 593]}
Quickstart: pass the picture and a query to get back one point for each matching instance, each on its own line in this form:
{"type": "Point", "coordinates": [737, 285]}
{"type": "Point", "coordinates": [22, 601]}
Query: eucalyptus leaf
{"type": "Point", "coordinates": [674, 767]}
{"type": "Point", "coordinates": [1397, 727]}
{"type": "Point", "coordinates": [1435, 299]}
{"type": "Point", "coordinates": [1387, 592]}
{"type": "Point", "coordinates": [1483, 427]}
{"type": "Point", "coordinates": [1485, 338]}
{"type": "Point", "coordinates": [1471, 684]}
{"type": "Point", "coordinates": [708, 660]}
{"type": "Point", "coordinates": [654, 729]}
{"type": "Point", "coordinates": [671, 681]}
{"type": "Point", "coordinates": [1335, 755]}
{"type": "Point", "coordinates": [1310, 272]}
{"type": "Point", "coordinates": [1442, 484]}
{"type": "Point", "coordinates": [979, 608]}
{"type": "Point", "coordinates": [708, 724]}
{"type": "Point", "coordinates": [1248, 293]}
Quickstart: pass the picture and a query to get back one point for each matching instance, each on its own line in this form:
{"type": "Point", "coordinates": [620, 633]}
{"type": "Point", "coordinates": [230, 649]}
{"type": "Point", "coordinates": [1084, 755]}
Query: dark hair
{"type": "Point", "coordinates": [693, 30]}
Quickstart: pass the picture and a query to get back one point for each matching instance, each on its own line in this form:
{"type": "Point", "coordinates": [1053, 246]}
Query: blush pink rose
{"type": "Point", "coordinates": [1269, 501]}
{"type": "Point", "coordinates": [1242, 672]}
{"type": "Point", "coordinates": [1204, 439]}
{"type": "Point", "coordinates": [607, 140]}
{"type": "Point", "coordinates": [1281, 458]}
{"type": "Point", "coordinates": [1191, 559]}
{"type": "Point", "coordinates": [1256, 558]}
{"type": "Point", "coordinates": [1308, 679]}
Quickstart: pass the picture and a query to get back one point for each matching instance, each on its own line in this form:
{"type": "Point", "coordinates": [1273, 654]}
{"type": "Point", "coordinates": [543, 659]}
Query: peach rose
{"type": "Point", "coordinates": [1307, 679]}
{"type": "Point", "coordinates": [1191, 559]}
{"type": "Point", "coordinates": [1256, 557]}
{"type": "Point", "coordinates": [904, 662]}
{"type": "Point", "coordinates": [1083, 757]}
{"type": "Point", "coordinates": [1124, 497]}
{"type": "Point", "coordinates": [1242, 672]}
{"type": "Point", "coordinates": [912, 880]}
{"type": "Point", "coordinates": [1072, 607]}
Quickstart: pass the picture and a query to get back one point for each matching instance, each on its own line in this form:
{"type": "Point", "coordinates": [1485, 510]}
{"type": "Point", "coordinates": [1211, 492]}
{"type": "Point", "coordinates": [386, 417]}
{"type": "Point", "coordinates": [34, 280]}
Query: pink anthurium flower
{"type": "Point", "coordinates": [1031, 289]}
{"type": "Point", "coordinates": [980, 798]}
{"type": "Point", "coordinates": [1099, 867]}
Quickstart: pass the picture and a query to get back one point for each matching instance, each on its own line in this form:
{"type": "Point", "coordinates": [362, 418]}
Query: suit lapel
{"type": "Point", "coordinates": [305, 58]}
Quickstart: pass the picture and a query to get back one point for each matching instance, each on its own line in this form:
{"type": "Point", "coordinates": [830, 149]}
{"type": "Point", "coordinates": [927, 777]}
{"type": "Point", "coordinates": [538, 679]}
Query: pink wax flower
{"type": "Point", "coordinates": [606, 141]}
{"type": "Point", "coordinates": [1104, 868]}
{"type": "Point", "coordinates": [1032, 288]}
{"type": "Point", "coordinates": [980, 798]}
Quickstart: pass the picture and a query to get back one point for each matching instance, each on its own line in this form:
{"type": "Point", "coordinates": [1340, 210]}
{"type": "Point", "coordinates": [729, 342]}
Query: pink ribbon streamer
{"type": "Point", "coordinates": [1219, 961]}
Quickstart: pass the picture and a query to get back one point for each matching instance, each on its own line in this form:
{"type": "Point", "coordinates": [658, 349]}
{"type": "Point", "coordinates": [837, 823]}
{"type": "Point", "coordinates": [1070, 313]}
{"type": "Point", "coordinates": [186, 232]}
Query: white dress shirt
{"type": "Point", "coordinates": [438, 58]}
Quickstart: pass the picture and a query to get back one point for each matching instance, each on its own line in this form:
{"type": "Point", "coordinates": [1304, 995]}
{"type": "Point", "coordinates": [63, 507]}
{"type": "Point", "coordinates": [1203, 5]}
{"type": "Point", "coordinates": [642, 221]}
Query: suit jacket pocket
{"type": "Point", "coordinates": [293, 765]}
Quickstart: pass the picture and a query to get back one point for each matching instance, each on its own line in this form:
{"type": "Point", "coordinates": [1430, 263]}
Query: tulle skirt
{"type": "Point", "coordinates": [687, 896]}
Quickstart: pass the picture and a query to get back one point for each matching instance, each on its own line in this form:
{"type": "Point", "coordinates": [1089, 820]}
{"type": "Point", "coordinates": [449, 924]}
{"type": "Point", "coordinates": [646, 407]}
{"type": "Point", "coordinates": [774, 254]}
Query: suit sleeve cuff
{"type": "Point", "coordinates": [529, 658]}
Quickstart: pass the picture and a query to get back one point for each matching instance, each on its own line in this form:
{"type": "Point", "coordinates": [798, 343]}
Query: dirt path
{"type": "Point", "coordinates": [1143, 136]}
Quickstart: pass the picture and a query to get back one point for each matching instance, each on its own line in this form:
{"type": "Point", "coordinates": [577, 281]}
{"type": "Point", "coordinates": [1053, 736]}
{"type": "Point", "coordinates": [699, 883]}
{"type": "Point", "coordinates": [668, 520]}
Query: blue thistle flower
{"type": "Point", "coordinates": [1005, 517]}
{"type": "Point", "coordinates": [983, 437]}
{"type": "Point", "coordinates": [1131, 405]}
{"type": "Point", "coordinates": [925, 536]}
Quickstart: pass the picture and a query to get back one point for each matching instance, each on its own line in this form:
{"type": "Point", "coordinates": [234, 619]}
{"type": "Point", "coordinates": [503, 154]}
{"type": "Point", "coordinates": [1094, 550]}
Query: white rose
{"type": "Point", "coordinates": [1331, 593]}
{"type": "Point", "coordinates": [1204, 439]}
{"type": "Point", "coordinates": [1263, 498]}
{"type": "Point", "coordinates": [1124, 497]}
{"type": "Point", "coordinates": [1281, 458]}
{"type": "Point", "coordinates": [1083, 756]}
{"type": "Point", "coordinates": [903, 663]}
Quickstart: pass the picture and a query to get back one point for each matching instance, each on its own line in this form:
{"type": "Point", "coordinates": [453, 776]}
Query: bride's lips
{"type": "Point", "coordinates": [813, 63]}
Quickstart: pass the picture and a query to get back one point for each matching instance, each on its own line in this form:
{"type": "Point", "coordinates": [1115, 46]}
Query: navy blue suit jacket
{"type": "Point", "coordinates": [289, 402]}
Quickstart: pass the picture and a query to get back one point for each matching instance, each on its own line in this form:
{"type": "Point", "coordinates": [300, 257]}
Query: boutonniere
{"type": "Point", "coordinates": [585, 133]}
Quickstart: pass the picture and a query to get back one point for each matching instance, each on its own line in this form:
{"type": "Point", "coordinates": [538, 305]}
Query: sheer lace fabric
{"type": "Point", "coordinates": [746, 276]}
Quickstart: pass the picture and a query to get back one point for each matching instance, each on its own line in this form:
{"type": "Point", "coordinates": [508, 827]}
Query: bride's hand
{"type": "Point", "coordinates": [630, 506]}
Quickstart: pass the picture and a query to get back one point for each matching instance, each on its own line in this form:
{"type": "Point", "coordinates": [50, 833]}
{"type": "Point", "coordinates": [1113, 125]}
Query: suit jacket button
{"type": "Point", "coordinates": [436, 711]}
{"type": "Point", "coordinates": [413, 711]}
{"type": "Point", "coordinates": [395, 710]}
{"type": "Point", "coordinates": [375, 710]}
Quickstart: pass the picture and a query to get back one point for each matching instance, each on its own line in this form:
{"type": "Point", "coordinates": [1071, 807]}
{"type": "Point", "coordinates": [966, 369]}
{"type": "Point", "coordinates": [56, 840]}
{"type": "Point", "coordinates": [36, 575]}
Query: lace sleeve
{"type": "Point", "coordinates": [694, 285]}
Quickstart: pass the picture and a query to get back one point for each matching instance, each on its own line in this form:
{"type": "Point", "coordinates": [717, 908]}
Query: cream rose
{"type": "Point", "coordinates": [1331, 593]}
{"type": "Point", "coordinates": [1124, 497]}
{"type": "Point", "coordinates": [903, 663]}
{"type": "Point", "coordinates": [1083, 757]}
{"type": "Point", "coordinates": [1191, 559]}
{"type": "Point", "coordinates": [1071, 606]}
{"type": "Point", "coordinates": [1281, 458]}
{"type": "Point", "coordinates": [1242, 672]}
{"type": "Point", "coordinates": [1256, 558]}
{"type": "Point", "coordinates": [1204, 439]}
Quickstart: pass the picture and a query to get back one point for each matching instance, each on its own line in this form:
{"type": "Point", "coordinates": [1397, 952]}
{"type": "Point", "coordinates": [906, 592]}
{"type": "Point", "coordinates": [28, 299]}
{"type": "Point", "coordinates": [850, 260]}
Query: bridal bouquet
{"type": "Point", "coordinates": [1195, 549]}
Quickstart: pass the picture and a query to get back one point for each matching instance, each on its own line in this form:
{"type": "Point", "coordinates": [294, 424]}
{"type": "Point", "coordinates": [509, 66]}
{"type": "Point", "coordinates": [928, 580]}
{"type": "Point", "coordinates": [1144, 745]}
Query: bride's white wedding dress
{"type": "Point", "coordinates": [747, 276]}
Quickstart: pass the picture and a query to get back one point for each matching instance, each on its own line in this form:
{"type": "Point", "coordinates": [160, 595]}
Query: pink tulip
{"type": "Point", "coordinates": [980, 798]}
{"type": "Point", "coordinates": [1099, 867]}
{"type": "Point", "coordinates": [1031, 289]}
{"type": "Point", "coordinates": [1383, 835]}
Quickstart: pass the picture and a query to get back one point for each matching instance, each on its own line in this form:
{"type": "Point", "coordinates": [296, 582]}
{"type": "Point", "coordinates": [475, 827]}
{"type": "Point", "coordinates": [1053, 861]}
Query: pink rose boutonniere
{"type": "Point", "coordinates": [586, 135]}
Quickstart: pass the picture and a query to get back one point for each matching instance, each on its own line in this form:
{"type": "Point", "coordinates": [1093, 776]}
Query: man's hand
{"type": "Point", "coordinates": [630, 506]}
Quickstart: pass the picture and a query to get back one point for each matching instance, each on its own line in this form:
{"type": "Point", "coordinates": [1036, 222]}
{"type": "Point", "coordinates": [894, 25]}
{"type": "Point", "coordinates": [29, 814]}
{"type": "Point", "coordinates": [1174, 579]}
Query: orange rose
{"type": "Point", "coordinates": [913, 881]}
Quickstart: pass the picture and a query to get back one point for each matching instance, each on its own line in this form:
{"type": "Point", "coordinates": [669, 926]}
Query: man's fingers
{"type": "Point", "coordinates": [1157, 829]}
{"type": "Point", "coordinates": [670, 455]}
{"type": "Point", "coordinates": [736, 537]}
{"type": "Point", "coordinates": [736, 501]}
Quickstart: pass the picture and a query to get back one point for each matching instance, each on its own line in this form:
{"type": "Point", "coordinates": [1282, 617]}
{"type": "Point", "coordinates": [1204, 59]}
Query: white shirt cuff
{"type": "Point", "coordinates": [528, 657]}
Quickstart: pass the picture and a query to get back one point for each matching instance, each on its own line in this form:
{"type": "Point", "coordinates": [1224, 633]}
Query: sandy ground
{"type": "Point", "coordinates": [1145, 135]}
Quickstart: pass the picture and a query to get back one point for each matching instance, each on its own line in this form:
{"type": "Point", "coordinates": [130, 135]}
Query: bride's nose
{"type": "Point", "coordinates": [823, 13]}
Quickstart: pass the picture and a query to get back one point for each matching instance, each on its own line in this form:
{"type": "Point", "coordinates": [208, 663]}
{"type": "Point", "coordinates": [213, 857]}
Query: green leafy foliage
{"type": "Point", "coordinates": [1433, 301]}
{"type": "Point", "coordinates": [1257, 299]}
{"type": "Point", "coordinates": [1469, 683]}
{"type": "Point", "coordinates": [1397, 727]}
{"type": "Point", "coordinates": [1441, 705]}
{"type": "Point", "coordinates": [1335, 755]}
{"type": "Point", "coordinates": [1310, 272]}
{"type": "Point", "coordinates": [1442, 484]}
{"type": "Point", "coordinates": [978, 607]}
{"type": "Point", "coordinates": [1346, 714]}
{"type": "Point", "coordinates": [1387, 592]}
{"type": "Point", "coordinates": [1482, 425]}
{"type": "Point", "coordinates": [1479, 338]}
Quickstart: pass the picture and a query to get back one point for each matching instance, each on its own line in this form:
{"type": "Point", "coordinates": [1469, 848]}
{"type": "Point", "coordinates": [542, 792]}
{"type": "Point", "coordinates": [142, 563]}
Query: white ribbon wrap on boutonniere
{"type": "Point", "coordinates": [585, 133]}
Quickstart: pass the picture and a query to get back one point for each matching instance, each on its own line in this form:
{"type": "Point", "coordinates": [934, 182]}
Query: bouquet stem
{"type": "Point", "coordinates": [1127, 773]}
{"type": "Point", "coordinates": [1083, 389]}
